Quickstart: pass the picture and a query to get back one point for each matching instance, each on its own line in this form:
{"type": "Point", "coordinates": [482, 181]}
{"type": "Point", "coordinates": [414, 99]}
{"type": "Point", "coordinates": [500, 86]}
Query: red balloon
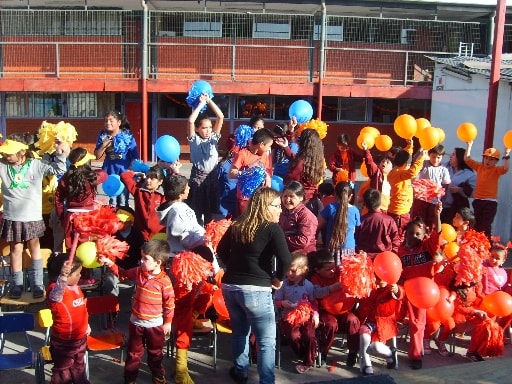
{"type": "Point", "coordinates": [219, 304]}
{"type": "Point", "coordinates": [422, 292]}
{"type": "Point", "coordinates": [443, 309]}
{"type": "Point", "coordinates": [338, 303]}
{"type": "Point", "coordinates": [387, 266]}
{"type": "Point", "coordinates": [498, 303]}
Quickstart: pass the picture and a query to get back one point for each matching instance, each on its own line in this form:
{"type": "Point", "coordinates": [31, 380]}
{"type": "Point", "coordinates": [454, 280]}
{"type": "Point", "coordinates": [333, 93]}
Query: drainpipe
{"type": "Point", "coordinates": [494, 81]}
{"type": "Point", "coordinates": [144, 78]}
{"type": "Point", "coordinates": [322, 61]}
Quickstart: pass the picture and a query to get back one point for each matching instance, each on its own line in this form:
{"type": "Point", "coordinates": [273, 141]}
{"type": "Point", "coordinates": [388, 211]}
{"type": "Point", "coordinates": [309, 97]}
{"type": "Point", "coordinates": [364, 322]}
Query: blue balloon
{"type": "Point", "coordinates": [277, 183]}
{"type": "Point", "coordinates": [167, 148]}
{"type": "Point", "coordinates": [302, 110]}
{"type": "Point", "coordinates": [113, 186]}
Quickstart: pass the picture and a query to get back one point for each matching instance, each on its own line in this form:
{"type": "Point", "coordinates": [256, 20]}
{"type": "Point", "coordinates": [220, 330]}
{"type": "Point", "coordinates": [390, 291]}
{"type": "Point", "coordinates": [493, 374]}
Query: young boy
{"type": "Point", "coordinates": [152, 309]}
{"type": "Point", "coordinates": [257, 153]}
{"type": "Point", "coordinates": [343, 159]}
{"type": "Point", "coordinates": [485, 203]}
{"type": "Point", "coordinates": [203, 142]}
{"type": "Point", "coordinates": [433, 169]}
{"type": "Point", "coordinates": [463, 220]}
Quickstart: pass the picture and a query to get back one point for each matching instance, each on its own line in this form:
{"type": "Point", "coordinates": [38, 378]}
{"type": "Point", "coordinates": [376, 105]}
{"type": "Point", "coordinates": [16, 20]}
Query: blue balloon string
{"type": "Point", "coordinates": [251, 179]}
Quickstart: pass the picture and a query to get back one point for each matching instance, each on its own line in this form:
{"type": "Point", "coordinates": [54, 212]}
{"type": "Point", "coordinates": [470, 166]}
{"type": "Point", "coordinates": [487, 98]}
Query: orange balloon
{"type": "Point", "coordinates": [507, 139]}
{"type": "Point", "coordinates": [498, 303]}
{"type": "Point", "coordinates": [467, 132]}
{"type": "Point", "coordinates": [451, 249]}
{"type": "Point", "coordinates": [421, 124]}
{"type": "Point", "coordinates": [405, 126]}
{"type": "Point", "coordinates": [442, 135]}
{"type": "Point", "coordinates": [367, 138]}
{"type": "Point", "coordinates": [219, 304]}
{"type": "Point", "coordinates": [370, 130]}
{"type": "Point", "coordinates": [387, 266]}
{"type": "Point", "coordinates": [422, 292]}
{"type": "Point", "coordinates": [337, 303]}
{"type": "Point", "coordinates": [448, 232]}
{"type": "Point", "coordinates": [429, 138]}
{"type": "Point", "coordinates": [383, 143]}
{"type": "Point", "coordinates": [443, 309]}
{"type": "Point", "coordinates": [364, 171]}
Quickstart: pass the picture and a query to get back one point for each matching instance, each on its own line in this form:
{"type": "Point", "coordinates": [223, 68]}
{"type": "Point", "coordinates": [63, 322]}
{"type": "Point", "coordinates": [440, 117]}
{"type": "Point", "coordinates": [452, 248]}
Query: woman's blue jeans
{"type": "Point", "coordinates": [250, 309]}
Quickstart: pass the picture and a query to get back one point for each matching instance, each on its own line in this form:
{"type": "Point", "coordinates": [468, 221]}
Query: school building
{"type": "Point", "coordinates": [357, 62]}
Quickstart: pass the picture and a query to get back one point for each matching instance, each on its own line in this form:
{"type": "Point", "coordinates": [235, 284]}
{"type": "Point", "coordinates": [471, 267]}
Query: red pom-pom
{"type": "Point", "coordinates": [357, 275]}
{"type": "Point", "coordinates": [111, 247]}
{"type": "Point", "coordinates": [300, 314]}
{"type": "Point", "coordinates": [97, 223]}
{"type": "Point", "coordinates": [188, 269]}
{"type": "Point", "coordinates": [214, 231]}
{"type": "Point", "coordinates": [469, 268]}
{"type": "Point", "coordinates": [478, 241]}
{"type": "Point", "coordinates": [487, 339]}
{"type": "Point", "coordinates": [427, 190]}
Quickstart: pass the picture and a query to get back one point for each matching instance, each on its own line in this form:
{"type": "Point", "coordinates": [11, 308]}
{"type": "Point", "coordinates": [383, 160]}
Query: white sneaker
{"type": "Point", "coordinates": [426, 347]}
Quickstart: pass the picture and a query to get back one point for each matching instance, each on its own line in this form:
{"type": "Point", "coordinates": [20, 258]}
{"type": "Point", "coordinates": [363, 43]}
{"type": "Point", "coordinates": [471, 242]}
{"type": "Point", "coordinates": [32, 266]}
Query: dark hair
{"type": "Point", "coordinates": [158, 249]}
{"type": "Point", "coordinates": [438, 149]}
{"type": "Point", "coordinates": [295, 187]}
{"type": "Point", "coordinates": [262, 136]}
{"type": "Point", "coordinates": [55, 263]}
{"type": "Point", "coordinates": [202, 116]}
{"type": "Point", "coordinates": [459, 155]}
{"type": "Point", "coordinates": [344, 192]}
{"type": "Point", "coordinates": [343, 139]}
{"type": "Point", "coordinates": [125, 124]}
{"type": "Point", "coordinates": [319, 258]}
{"type": "Point", "coordinates": [467, 215]}
{"type": "Point", "coordinates": [372, 199]}
{"type": "Point", "coordinates": [394, 150]}
{"type": "Point", "coordinates": [156, 172]}
{"type": "Point", "coordinates": [401, 158]}
{"type": "Point", "coordinates": [326, 188]}
{"type": "Point", "coordinates": [311, 152]}
{"type": "Point", "coordinates": [79, 177]}
{"type": "Point", "coordinates": [254, 120]}
{"type": "Point", "coordinates": [416, 221]}
{"type": "Point", "coordinates": [174, 186]}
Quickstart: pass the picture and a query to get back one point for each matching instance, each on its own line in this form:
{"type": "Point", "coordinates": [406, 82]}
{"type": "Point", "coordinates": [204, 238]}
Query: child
{"type": "Point", "coordinates": [378, 316]}
{"type": "Point", "coordinates": [416, 255]}
{"type": "Point", "coordinates": [203, 142]}
{"type": "Point", "coordinates": [344, 159]}
{"type": "Point", "coordinates": [377, 232]}
{"type": "Point", "coordinates": [485, 203]}
{"type": "Point", "coordinates": [494, 276]}
{"type": "Point", "coordinates": [21, 176]}
{"type": "Point", "coordinates": [148, 196]}
{"type": "Point", "coordinates": [378, 175]}
{"type": "Point", "coordinates": [76, 191]}
{"type": "Point", "coordinates": [401, 193]}
{"type": "Point", "coordinates": [340, 219]}
{"type": "Point", "coordinates": [433, 169]}
{"type": "Point", "coordinates": [297, 290]}
{"type": "Point", "coordinates": [68, 341]}
{"type": "Point", "coordinates": [152, 309]}
{"type": "Point", "coordinates": [297, 221]}
{"type": "Point", "coordinates": [257, 153]}
{"type": "Point", "coordinates": [118, 145]}
{"type": "Point", "coordinates": [327, 275]}
{"type": "Point", "coordinates": [463, 220]}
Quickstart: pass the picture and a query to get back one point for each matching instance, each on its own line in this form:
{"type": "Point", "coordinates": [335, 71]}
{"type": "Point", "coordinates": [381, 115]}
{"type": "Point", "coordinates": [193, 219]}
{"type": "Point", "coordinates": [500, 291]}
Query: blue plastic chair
{"type": "Point", "coordinates": [16, 323]}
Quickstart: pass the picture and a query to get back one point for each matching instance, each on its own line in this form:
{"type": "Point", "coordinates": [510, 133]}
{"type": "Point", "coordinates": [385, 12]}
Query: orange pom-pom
{"type": "Point", "coordinates": [469, 268]}
{"type": "Point", "coordinates": [357, 275]}
{"type": "Point", "coordinates": [316, 124]}
{"type": "Point", "coordinates": [188, 269]}
{"type": "Point", "coordinates": [97, 223]}
{"type": "Point", "coordinates": [300, 314]}
{"type": "Point", "coordinates": [487, 339]}
{"type": "Point", "coordinates": [214, 231]}
{"type": "Point", "coordinates": [427, 190]}
{"type": "Point", "coordinates": [111, 247]}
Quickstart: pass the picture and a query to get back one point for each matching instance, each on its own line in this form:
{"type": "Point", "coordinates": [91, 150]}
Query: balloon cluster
{"type": "Point", "coordinates": [408, 127]}
{"type": "Point", "coordinates": [198, 88]}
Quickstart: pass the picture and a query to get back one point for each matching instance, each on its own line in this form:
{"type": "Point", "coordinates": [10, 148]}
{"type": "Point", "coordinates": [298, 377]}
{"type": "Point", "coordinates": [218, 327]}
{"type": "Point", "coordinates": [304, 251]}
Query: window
{"type": "Point", "coordinates": [416, 108]}
{"type": "Point", "coordinates": [353, 109]}
{"type": "Point", "coordinates": [174, 106]}
{"type": "Point", "coordinates": [78, 23]}
{"type": "Point", "coordinates": [275, 28]}
{"type": "Point", "coordinates": [333, 32]}
{"type": "Point", "coordinates": [249, 106]}
{"type": "Point", "coordinates": [384, 110]}
{"type": "Point", "coordinates": [330, 108]}
{"type": "Point", "coordinates": [207, 25]}
{"type": "Point", "coordinates": [31, 23]}
{"type": "Point", "coordinates": [89, 104]}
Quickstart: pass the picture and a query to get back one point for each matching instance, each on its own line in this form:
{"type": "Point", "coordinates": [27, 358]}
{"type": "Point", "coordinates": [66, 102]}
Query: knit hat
{"type": "Point", "coordinates": [11, 147]}
{"type": "Point", "coordinates": [492, 152]}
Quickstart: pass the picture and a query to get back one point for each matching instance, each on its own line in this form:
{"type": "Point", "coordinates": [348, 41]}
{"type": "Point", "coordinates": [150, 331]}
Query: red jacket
{"type": "Point", "coordinates": [418, 261]}
{"type": "Point", "coordinates": [295, 174]}
{"type": "Point", "coordinates": [299, 226]}
{"type": "Point", "coordinates": [337, 161]}
{"type": "Point", "coordinates": [146, 203]}
{"type": "Point", "coordinates": [70, 317]}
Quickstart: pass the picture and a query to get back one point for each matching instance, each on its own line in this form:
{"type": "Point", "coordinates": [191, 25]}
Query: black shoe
{"type": "Point", "coordinates": [237, 378]}
{"type": "Point", "coordinates": [38, 292]}
{"type": "Point", "coordinates": [15, 292]}
{"type": "Point", "coordinates": [416, 364]}
{"type": "Point", "coordinates": [351, 359]}
{"type": "Point", "coordinates": [394, 359]}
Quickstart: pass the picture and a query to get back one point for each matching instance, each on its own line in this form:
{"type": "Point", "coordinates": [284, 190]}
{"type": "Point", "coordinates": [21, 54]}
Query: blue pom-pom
{"type": "Point", "coordinates": [243, 134]}
{"type": "Point", "coordinates": [251, 179]}
{"type": "Point", "coordinates": [198, 88]}
{"type": "Point", "coordinates": [140, 166]}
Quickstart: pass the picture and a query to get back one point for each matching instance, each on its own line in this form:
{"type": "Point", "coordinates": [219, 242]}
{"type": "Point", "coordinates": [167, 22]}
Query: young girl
{"type": "Point", "coordinates": [203, 142]}
{"type": "Point", "coordinates": [296, 289]}
{"type": "Point", "coordinates": [76, 191]}
{"type": "Point", "coordinates": [118, 145]}
{"type": "Point", "coordinates": [343, 159]}
{"type": "Point", "coordinates": [494, 276]}
{"type": "Point", "coordinates": [148, 196]}
{"type": "Point", "coordinates": [378, 315]}
{"type": "Point", "coordinates": [341, 219]}
{"type": "Point", "coordinates": [68, 342]}
{"type": "Point", "coordinates": [416, 255]}
{"type": "Point", "coordinates": [21, 176]}
{"type": "Point", "coordinates": [298, 222]}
